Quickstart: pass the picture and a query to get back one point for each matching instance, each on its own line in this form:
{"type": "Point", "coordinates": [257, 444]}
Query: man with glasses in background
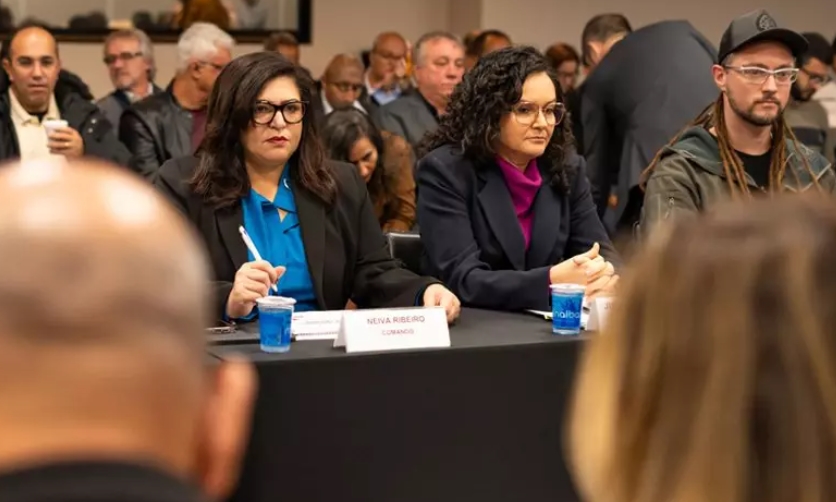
{"type": "Point", "coordinates": [171, 124]}
{"type": "Point", "coordinates": [129, 57]}
{"type": "Point", "coordinates": [387, 64]}
{"type": "Point", "coordinates": [742, 145]}
{"type": "Point", "coordinates": [807, 117]}
{"type": "Point", "coordinates": [340, 87]}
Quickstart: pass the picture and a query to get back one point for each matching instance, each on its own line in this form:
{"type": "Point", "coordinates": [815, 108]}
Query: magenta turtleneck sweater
{"type": "Point", "coordinates": [523, 187]}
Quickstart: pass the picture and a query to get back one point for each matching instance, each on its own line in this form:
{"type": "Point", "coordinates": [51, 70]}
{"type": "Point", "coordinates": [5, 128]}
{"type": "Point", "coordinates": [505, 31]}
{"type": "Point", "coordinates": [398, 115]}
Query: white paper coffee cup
{"type": "Point", "coordinates": [54, 125]}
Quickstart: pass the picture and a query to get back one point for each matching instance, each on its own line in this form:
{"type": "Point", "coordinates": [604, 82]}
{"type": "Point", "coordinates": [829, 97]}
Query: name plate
{"type": "Point", "coordinates": [316, 325]}
{"type": "Point", "coordinates": [598, 313]}
{"type": "Point", "coordinates": [393, 329]}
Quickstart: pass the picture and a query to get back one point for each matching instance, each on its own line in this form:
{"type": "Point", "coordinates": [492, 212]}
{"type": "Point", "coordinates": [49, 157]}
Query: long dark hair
{"type": "Point", "coordinates": [221, 177]}
{"type": "Point", "coordinates": [484, 96]}
{"type": "Point", "coordinates": [341, 130]}
{"type": "Point", "coordinates": [714, 116]}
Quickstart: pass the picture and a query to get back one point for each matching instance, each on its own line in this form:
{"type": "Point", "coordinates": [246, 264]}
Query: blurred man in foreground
{"type": "Point", "coordinates": [105, 392]}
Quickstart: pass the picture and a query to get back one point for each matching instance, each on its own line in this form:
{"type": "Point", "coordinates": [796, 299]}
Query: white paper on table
{"type": "Point", "coordinates": [316, 325]}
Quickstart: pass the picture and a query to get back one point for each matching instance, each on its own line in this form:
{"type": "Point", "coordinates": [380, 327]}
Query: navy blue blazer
{"type": "Point", "coordinates": [473, 240]}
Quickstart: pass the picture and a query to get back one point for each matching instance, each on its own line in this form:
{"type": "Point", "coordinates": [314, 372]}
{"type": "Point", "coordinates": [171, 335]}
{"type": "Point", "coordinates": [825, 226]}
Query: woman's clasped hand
{"type": "Point", "coordinates": [589, 269]}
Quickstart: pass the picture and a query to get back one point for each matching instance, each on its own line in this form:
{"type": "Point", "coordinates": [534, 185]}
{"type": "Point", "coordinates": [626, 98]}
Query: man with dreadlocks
{"type": "Point", "coordinates": [741, 145]}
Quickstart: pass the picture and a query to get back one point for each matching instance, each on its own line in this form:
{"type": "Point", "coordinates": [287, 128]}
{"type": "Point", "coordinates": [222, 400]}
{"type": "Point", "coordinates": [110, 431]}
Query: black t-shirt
{"type": "Point", "coordinates": [757, 166]}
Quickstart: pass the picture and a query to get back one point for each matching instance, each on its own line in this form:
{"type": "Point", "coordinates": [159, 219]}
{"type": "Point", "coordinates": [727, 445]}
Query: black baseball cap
{"type": "Point", "coordinates": [759, 26]}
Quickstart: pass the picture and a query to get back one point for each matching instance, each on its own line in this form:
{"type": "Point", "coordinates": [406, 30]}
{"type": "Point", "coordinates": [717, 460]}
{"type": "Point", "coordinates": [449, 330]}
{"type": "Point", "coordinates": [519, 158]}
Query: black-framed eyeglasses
{"type": "Point", "coordinates": [528, 113]}
{"type": "Point", "coordinates": [348, 86]}
{"type": "Point", "coordinates": [122, 56]}
{"type": "Point", "coordinates": [757, 75]}
{"type": "Point", "coordinates": [264, 112]}
{"type": "Point", "coordinates": [816, 78]}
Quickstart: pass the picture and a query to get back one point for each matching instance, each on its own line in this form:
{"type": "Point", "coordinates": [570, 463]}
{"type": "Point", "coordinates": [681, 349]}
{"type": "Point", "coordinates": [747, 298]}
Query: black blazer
{"type": "Point", "coordinates": [474, 243]}
{"type": "Point", "coordinates": [345, 249]}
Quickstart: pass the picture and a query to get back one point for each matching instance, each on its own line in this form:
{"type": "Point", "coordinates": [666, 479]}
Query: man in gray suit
{"type": "Point", "coordinates": [439, 66]}
{"type": "Point", "coordinates": [129, 57]}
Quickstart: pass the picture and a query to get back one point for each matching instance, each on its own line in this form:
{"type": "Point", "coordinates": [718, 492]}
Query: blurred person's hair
{"type": "Point", "coordinates": [145, 46]}
{"type": "Point", "coordinates": [418, 50]}
{"type": "Point", "coordinates": [600, 29]}
{"type": "Point", "coordinates": [280, 39]}
{"type": "Point", "coordinates": [201, 40]}
{"type": "Point", "coordinates": [817, 48]}
{"type": "Point", "coordinates": [477, 46]}
{"type": "Point", "coordinates": [7, 20]}
{"type": "Point", "coordinates": [203, 11]}
{"type": "Point", "coordinates": [467, 41]}
{"type": "Point", "coordinates": [561, 52]}
{"type": "Point", "coordinates": [715, 376]}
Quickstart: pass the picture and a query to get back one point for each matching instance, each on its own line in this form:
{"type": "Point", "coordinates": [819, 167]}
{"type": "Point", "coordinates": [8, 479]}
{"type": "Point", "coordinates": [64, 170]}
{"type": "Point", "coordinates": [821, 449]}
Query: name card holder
{"type": "Point", "coordinates": [598, 313]}
{"type": "Point", "coordinates": [378, 330]}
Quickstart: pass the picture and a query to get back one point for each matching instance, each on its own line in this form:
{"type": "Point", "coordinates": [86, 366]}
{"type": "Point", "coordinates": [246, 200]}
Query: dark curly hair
{"type": "Point", "coordinates": [484, 96]}
{"type": "Point", "coordinates": [221, 177]}
{"type": "Point", "coordinates": [341, 130]}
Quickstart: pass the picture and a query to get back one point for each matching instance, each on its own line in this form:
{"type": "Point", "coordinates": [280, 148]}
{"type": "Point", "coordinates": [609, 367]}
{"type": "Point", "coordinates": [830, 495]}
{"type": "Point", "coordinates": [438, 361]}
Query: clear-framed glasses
{"type": "Point", "coordinates": [527, 113]}
{"type": "Point", "coordinates": [758, 75]}
{"type": "Point", "coordinates": [264, 112]}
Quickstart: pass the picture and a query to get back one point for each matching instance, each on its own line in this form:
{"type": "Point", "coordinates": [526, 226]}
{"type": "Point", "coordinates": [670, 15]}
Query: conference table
{"type": "Point", "coordinates": [479, 421]}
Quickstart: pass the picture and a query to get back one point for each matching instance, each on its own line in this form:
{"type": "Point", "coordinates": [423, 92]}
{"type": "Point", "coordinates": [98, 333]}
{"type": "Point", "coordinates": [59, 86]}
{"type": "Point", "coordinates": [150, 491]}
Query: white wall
{"type": "Point", "coordinates": [350, 26]}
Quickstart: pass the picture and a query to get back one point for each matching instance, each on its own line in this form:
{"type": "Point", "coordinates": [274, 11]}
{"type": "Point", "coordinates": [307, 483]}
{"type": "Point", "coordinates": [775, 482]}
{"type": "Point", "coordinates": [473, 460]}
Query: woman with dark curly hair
{"type": "Point", "coordinates": [383, 160]}
{"type": "Point", "coordinates": [261, 166]}
{"type": "Point", "coordinates": [503, 199]}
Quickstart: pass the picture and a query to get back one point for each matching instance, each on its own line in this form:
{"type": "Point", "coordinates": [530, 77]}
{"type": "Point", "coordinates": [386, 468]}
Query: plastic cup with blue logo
{"type": "Point", "coordinates": [275, 314]}
{"type": "Point", "coordinates": [567, 306]}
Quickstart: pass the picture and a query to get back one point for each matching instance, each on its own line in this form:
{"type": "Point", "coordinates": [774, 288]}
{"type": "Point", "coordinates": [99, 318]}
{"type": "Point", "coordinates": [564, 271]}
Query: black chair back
{"type": "Point", "coordinates": [407, 248]}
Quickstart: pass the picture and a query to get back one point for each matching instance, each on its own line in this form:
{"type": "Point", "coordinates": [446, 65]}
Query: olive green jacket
{"type": "Point", "coordinates": [689, 177]}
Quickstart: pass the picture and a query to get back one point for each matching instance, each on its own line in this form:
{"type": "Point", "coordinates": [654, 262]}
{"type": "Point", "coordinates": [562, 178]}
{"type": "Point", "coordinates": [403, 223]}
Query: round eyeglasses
{"type": "Point", "coordinates": [292, 112]}
{"type": "Point", "coordinates": [528, 113]}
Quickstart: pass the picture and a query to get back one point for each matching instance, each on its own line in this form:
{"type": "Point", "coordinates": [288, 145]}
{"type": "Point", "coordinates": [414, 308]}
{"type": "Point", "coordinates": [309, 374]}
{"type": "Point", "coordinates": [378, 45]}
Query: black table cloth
{"type": "Point", "coordinates": [480, 421]}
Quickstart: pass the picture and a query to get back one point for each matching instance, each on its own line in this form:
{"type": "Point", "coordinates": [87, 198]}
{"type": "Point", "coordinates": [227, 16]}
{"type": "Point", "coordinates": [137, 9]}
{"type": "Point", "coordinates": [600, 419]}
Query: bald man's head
{"type": "Point", "coordinates": [33, 67]}
{"type": "Point", "coordinates": [342, 81]}
{"type": "Point", "coordinates": [104, 296]}
{"type": "Point", "coordinates": [387, 56]}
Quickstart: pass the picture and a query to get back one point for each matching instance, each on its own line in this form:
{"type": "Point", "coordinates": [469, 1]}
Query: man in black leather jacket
{"type": "Point", "coordinates": [171, 124]}
{"type": "Point", "coordinates": [72, 97]}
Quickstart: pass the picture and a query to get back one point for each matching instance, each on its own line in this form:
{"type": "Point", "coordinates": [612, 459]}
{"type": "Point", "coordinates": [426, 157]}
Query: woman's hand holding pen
{"type": "Point", "coordinates": [252, 281]}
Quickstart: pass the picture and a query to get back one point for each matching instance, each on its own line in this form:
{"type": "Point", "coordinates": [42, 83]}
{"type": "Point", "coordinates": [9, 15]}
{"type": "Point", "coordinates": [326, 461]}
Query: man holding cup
{"type": "Point", "coordinates": [44, 112]}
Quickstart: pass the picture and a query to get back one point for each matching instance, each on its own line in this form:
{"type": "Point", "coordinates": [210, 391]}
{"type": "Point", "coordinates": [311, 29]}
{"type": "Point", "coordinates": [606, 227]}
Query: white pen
{"type": "Point", "coordinates": [251, 246]}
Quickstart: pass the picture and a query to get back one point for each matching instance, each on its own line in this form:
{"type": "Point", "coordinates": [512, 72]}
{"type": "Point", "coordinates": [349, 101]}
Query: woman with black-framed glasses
{"type": "Point", "coordinates": [262, 166]}
{"type": "Point", "coordinates": [504, 205]}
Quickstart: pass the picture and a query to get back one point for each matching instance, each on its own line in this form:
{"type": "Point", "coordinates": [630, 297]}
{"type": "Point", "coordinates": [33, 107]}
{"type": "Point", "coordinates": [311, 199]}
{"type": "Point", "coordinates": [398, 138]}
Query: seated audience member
{"type": "Point", "coordinates": [439, 66]}
{"type": "Point", "coordinates": [827, 94]}
{"type": "Point", "coordinates": [340, 87]}
{"type": "Point", "coordinates": [715, 375]}
{"type": "Point", "coordinates": [503, 199]}
{"type": "Point", "coordinates": [171, 124]}
{"type": "Point", "coordinates": [566, 62]}
{"type": "Point", "coordinates": [642, 91]}
{"type": "Point", "coordinates": [807, 117]}
{"type": "Point", "coordinates": [34, 89]}
{"type": "Point", "coordinates": [217, 12]}
{"type": "Point", "coordinates": [387, 61]}
{"type": "Point", "coordinates": [741, 144]}
{"type": "Point", "coordinates": [383, 160]}
{"type": "Point", "coordinates": [129, 57]}
{"type": "Point", "coordinates": [106, 395]}
{"type": "Point", "coordinates": [485, 42]}
{"type": "Point", "coordinates": [262, 166]}
{"type": "Point", "coordinates": [285, 43]}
